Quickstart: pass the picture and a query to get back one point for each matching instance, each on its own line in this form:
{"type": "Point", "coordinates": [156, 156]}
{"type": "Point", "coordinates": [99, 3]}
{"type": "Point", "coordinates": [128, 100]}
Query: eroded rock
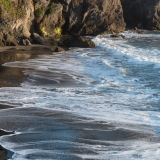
{"type": "Point", "coordinates": [26, 42]}
{"type": "Point", "coordinates": [38, 39]}
{"type": "Point", "coordinates": [88, 17]}
{"type": "Point", "coordinates": [142, 14]}
{"type": "Point", "coordinates": [78, 41]}
{"type": "Point", "coordinates": [16, 20]}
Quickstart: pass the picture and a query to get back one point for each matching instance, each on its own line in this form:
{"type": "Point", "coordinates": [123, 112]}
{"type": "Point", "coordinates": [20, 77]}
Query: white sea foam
{"type": "Point", "coordinates": [122, 47]}
{"type": "Point", "coordinates": [116, 83]}
{"type": "Point", "coordinates": [114, 88]}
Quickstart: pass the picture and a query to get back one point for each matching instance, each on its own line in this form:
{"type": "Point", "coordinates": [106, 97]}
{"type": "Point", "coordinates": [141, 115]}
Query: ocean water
{"type": "Point", "coordinates": [100, 104]}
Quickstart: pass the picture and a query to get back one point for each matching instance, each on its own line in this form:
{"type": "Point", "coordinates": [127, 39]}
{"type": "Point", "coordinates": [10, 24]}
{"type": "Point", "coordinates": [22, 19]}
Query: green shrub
{"type": "Point", "coordinates": [6, 4]}
{"type": "Point", "coordinates": [52, 8]}
{"type": "Point", "coordinates": [11, 9]}
{"type": "Point", "coordinates": [39, 12]}
{"type": "Point", "coordinates": [19, 12]}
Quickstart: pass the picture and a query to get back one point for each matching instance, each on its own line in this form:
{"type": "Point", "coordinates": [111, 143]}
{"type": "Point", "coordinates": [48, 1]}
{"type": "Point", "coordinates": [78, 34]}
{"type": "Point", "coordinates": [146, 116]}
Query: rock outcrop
{"type": "Point", "coordinates": [78, 41]}
{"type": "Point", "coordinates": [92, 17]}
{"type": "Point", "coordinates": [19, 19]}
{"type": "Point", "coordinates": [16, 20]}
{"type": "Point", "coordinates": [29, 21]}
{"type": "Point", "coordinates": [83, 17]}
{"type": "Point", "coordinates": [48, 17]}
{"type": "Point", "coordinates": [143, 14]}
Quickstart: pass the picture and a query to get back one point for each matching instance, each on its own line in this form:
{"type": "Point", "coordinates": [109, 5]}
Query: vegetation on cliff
{"type": "Point", "coordinates": [52, 8]}
{"type": "Point", "coordinates": [12, 10]}
{"type": "Point", "coordinates": [39, 12]}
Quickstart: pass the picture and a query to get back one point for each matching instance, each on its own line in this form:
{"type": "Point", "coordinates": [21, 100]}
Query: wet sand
{"type": "Point", "coordinates": [89, 132]}
{"type": "Point", "coordinates": [13, 77]}
{"type": "Point", "coordinates": [70, 129]}
{"type": "Point", "coordinates": [3, 151]}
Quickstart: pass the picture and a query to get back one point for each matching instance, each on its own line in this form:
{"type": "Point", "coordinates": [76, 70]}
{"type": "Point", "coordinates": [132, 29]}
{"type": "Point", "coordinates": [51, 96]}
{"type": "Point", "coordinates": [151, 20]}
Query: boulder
{"type": "Point", "coordinates": [117, 35]}
{"type": "Point", "coordinates": [26, 42]}
{"type": "Point", "coordinates": [78, 41]}
{"type": "Point", "coordinates": [58, 49]}
{"type": "Point", "coordinates": [143, 14]}
{"type": "Point", "coordinates": [54, 49]}
{"type": "Point", "coordinates": [38, 39]}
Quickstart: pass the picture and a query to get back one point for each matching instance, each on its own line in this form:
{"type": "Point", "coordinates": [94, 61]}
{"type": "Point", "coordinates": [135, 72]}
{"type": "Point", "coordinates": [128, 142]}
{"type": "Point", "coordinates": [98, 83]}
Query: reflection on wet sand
{"type": "Point", "coordinates": [11, 77]}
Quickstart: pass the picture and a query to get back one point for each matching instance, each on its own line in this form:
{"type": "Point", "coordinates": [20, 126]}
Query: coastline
{"type": "Point", "coordinates": [13, 77]}
{"type": "Point", "coordinates": [83, 131]}
{"type": "Point", "coordinates": [19, 53]}
{"type": "Point", "coordinates": [90, 131]}
{"type": "Point", "coordinates": [3, 152]}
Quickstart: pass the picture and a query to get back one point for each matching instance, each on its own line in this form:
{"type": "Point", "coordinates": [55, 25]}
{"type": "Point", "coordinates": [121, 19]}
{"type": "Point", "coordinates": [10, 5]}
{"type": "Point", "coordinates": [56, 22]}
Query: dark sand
{"type": "Point", "coordinates": [3, 151]}
{"type": "Point", "coordinates": [13, 77]}
{"type": "Point", "coordinates": [2, 106]}
{"type": "Point", "coordinates": [94, 133]}
{"type": "Point", "coordinates": [77, 129]}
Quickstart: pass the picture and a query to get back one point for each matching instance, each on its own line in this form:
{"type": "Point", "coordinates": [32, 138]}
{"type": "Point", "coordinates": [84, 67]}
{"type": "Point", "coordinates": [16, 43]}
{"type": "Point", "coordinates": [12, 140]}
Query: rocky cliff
{"type": "Point", "coordinates": [143, 14]}
{"type": "Point", "coordinates": [16, 20]}
{"type": "Point", "coordinates": [19, 19]}
{"type": "Point", "coordinates": [92, 17]}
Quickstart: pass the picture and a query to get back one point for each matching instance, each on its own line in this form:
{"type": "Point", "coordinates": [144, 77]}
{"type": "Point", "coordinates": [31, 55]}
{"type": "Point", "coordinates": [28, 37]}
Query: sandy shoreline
{"type": "Point", "coordinates": [83, 131]}
{"type": "Point", "coordinates": [3, 154]}
{"type": "Point", "coordinates": [13, 77]}
{"type": "Point", "coordinates": [3, 151]}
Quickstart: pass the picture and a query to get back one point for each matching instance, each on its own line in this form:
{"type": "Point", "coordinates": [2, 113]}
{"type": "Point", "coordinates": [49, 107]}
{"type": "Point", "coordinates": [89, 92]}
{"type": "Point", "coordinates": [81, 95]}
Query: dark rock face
{"type": "Point", "coordinates": [83, 17]}
{"type": "Point", "coordinates": [78, 41]}
{"type": "Point", "coordinates": [38, 39]}
{"type": "Point", "coordinates": [143, 14]}
{"type": "Point", "coordinates": [92, 17]}
{"type": "Point", "coordinates": [26, 42]}
{"type": "Point", "coordinates": [50, 18]}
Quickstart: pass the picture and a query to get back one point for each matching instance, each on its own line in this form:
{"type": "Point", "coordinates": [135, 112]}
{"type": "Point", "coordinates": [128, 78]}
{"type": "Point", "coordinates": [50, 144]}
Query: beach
{"type": "Point", "coordinates": [13, 77]}
{"type": "Point", "coordinates": [79, 104]}
{"type": "Point", "coordinates": [3, 151]}
{"type": "Point", "coordinates": [79, 80]}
